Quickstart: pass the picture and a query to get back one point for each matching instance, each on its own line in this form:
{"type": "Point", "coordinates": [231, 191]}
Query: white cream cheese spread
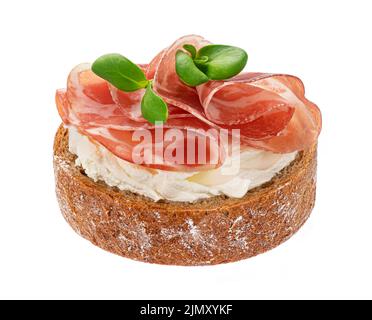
{"type": "Point", "coordinates": [256, 168]}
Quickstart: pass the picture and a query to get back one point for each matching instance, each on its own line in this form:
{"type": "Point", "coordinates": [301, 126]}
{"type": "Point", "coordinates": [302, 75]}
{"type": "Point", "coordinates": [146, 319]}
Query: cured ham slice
{"type": "Point", "coordinates": [268, 96]}
{"type": "Point", "coordinates": [257, 112]}
{"type": "Point", "coordinates": [63, 106]}
{"type": "Point", "coordinates": [303, 129]}
{"type": "Point", "coordinates": [153, 65]}
{"type": "Point", "coordinates": [130, 102]}
{"type": "Point", "coordinates": [87, 104]}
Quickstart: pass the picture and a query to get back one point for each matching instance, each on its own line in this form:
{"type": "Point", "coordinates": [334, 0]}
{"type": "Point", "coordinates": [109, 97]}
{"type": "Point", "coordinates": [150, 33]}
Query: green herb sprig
{"type": "Point", "coordinates": [212, 62]}
{"type": "Point", "coordinates": [127, 76]}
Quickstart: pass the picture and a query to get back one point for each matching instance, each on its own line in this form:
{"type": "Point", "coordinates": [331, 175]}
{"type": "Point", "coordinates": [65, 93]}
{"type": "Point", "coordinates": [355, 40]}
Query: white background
{"type": "Point", "coordinates": [326, 43]}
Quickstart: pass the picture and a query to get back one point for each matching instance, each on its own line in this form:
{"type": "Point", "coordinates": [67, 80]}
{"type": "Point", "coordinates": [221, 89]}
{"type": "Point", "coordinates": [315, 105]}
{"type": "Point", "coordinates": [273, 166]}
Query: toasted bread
{"type": "Point", "coordinates": [212, 231]}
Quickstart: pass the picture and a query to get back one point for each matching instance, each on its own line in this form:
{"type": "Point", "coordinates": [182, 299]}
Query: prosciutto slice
{"type": "Point", "coordinates": [267, 96]}
{"type": "Point", "coordinates": [270, 110]}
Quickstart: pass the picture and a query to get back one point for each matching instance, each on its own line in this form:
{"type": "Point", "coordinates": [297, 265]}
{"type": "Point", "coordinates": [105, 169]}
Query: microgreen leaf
{"type": "Point", "coordinates": [201, 60]}
{"type": "Point", "coordinates": [191, 49]}
{"type": "Point", "coordinates": [153, 107]}
{"type": "Point", "coordinates": [187, 70]}
{"type": "Point", "coordinates": [224, 62]}
{"type": "Point", "coordinates": [120, 72]}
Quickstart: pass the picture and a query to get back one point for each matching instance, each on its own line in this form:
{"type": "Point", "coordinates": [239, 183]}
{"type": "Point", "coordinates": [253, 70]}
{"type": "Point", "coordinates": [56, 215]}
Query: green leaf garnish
{"type": "Point", "coordinates": [153, 107]}
{"type": "Point", "coordinates": [191, 49]}
{"type": "Point", "coordinates": [201, 60]}
{"type": "Point", "coordinates": [187, 71]}
{"type": "Point", "coordinates": [120, 72]}
{"type": "Point", "coordinates": [224, 62]}
{"type": "Point", "coordinates": [212, 62]}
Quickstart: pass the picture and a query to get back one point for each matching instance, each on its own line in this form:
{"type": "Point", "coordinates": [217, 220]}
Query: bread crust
{"type": "Point", "coordinates": [213, 231]}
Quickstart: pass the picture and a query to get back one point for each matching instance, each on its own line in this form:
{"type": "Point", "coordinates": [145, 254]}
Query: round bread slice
{"type": "Point", "coordinates": [212, 231]}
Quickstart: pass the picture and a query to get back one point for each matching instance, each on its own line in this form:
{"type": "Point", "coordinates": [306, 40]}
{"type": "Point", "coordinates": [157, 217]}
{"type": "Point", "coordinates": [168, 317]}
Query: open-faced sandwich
{"type": "Point", "coordinates": [185, 160]}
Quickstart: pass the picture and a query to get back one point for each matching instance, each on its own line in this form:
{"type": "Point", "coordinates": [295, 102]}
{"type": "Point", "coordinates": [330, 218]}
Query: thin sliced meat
{"type": "Point", "coordinates": [304, 128]}
{"type": "Point", "coordinates": [300, 128]}
{"type": "Point", "coordinates": [89, 96]}
{"type": "Point", "coordinates": [130, 102]}
{"type": "Point", "coordinates": [87, 104]}
{"type": "Point", "coordinates": [153, 65]}
{"type": "Point", "coordinates": [236, 102]}
{"type": "Point", "coordinates": [62, 106]}
{"type": "Point", "coordinates": [256, 112]}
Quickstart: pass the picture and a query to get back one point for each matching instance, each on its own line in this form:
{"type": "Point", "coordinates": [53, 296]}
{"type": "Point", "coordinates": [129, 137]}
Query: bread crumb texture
{"type": "Point", "coordinates": [213, 231]}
